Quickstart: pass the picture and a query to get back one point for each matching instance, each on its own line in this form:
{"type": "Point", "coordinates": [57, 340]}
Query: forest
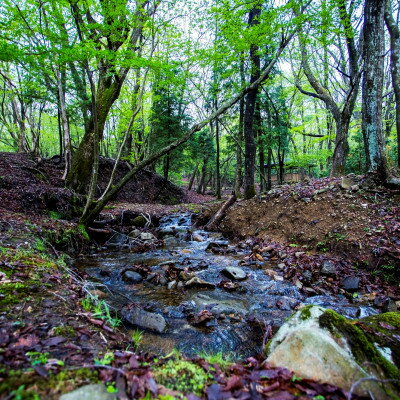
{"type": "Point", "coordinates": [199, 199]}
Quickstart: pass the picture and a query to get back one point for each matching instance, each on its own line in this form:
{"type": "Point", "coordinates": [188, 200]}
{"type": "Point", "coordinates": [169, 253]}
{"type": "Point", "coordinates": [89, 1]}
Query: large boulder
{"type": "Point", "coordinates": [319, 344]}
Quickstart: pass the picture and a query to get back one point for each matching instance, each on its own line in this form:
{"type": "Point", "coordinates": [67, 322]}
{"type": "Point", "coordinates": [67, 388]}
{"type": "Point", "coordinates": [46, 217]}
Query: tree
{"type": "Point", "coordinates": [394, 33]}
{"type": "Point", "coordinates": [372, 87]}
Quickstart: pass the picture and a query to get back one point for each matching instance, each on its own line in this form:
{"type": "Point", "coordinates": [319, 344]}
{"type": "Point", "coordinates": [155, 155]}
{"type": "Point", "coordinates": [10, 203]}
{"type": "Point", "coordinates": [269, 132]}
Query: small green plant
{"type": "Point", "coordinates": [86, 303]}
{"type": "Point", "coordinates": [319, 397]}
{"type": "Point", "coordinates": [83, 231]}
{"type": "Point", "coordinates": [296, 378]}
{"type": "Point", "coordinates": [111, 388]}
{"type": "Point", "coordinates": [137, 337]}
{"type": "Point", "coordinates": [223, 360]}
{"type": "Point", "coordinates": [39, 245]}
{"type": "Point", "coordinates": [22, 394]}
{"type": "Point", "coordinates": [55, 215]}
{"type": "Point", "coordinates": [102, 310]}
{"type": "Point", "coordinates": [294, 245]}
{"type": "Point", "coordinates": [37, 358]}
{"type": "Point", "coordinates": [106, 360]}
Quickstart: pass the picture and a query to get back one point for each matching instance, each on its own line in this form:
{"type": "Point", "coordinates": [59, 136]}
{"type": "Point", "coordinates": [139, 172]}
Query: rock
{"type": "Point", "coordinates": [117, 240]}
{"type": "Point", "coordinates": [197, 237]}
{"type": "Point", "coordinates": [90, 392]}
{"type": "Point", "coordinates": [147, 236]}
{"type": "Point", "coordinates": [386, 304]}
{"type": "Point", "coordinates": [286, 303]}
{"type": "Point", "coordinates": [299, 254]}
{"type": "Point", "coordinates": [355, 188]}
{"type": "Point", "coordinates": [143, 319]}
{"type": "Point", "coordinates": [234, 273]}
{"type": "Point", "coordinates": [351, 283]}
{"type": "Point", "coordinates": [217, 245]}
{"type": "Point", "coordinates": [98, 293]}
{"type": "Point", "coordinates": [281, 266]}
{"type": "Point", "coordinates": [197, 282]}
{"type": "Point", "coordinates": [167, 263]}
{"type": "Point", "coordinates": [186, 276]}
{"type": "Point", "coordinates": [132, 277]}
{"type": "Point", "coordinates": [307, 277]}
{"type": "Point", "coordinates": [171, 285]}
{"type": "Point", "coordinates": [346, 183]}
{"type": "Point", "coordinates": [279, 278]}
{"type": "Point", "coordinates": [328, 268]}
{"type": "Point", "coordinates": [322, 345]}
{"type": "Point", "coordinates": [139, 221]}
{"type": "Point", "coordinates": [170, 241]}
{"type": "Point", "coordinates": [135, 234]}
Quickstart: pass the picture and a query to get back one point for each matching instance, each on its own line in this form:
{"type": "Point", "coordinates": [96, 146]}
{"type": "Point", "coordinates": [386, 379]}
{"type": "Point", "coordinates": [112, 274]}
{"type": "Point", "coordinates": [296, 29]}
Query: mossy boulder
{"type": "Point", "coordinates": [139, 221]}
{"type": "Point", "coordinates": [320, 344]}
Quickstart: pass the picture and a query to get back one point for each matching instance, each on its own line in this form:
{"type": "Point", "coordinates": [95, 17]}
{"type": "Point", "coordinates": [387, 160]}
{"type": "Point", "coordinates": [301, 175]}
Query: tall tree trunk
{"type": "Point", "coordinates": [64, 119]}
{"type": "Point", "coordinates": [269, 168]}
{"type": "Point", "coordinates": [250, 147]}
{"type": "Point", "coordinates": [202, 176]}
{"type": "Point", "coordinates": [394, 32]}
{"type": "Point", "coordinates": [374, 50]}
{"type": "Point", "coordinates": [341, 145]}
{"type": "Point", "coordinates": [192, 178]}
{"type": "Point", "coordinates": [239, 141]}
{"type": "Point", "coordinates": [260, 144]}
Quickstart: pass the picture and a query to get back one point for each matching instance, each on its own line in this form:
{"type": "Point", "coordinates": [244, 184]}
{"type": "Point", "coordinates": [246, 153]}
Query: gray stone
{"type": "Point", "coordinates": [351, 283]}
{"type": "Point", "coordinates": [328, 268]}
{"type": "Point", "coordinates": [307, 277]}
{"type": "Point", "coordinates": [346, 183]}
{"type": "Point", "coordinates": [235, 273]}
{"type": "Point", "coordinates": [197, 282]}
{"type": "Point", "coordinates": [313, 352]}
{"type": "Point", "coordinates": [132, 277]}
{"type": "Point", "coordinates": [117, 240]}
{"type": "Point", "coordinates": [135, 234]}
{"type": "Point", "coordinates": [171, 285]}
{"type": "Point", "coordinates": [170, 241]}
{"type": "Point", "coordinates": [147, 236]}
{"type": "Point", "coordinates": [197, 237]}
{"type": "Point", "coordinates": [143, 319]}
{"type": "Point", "coordinates": [90, 392]}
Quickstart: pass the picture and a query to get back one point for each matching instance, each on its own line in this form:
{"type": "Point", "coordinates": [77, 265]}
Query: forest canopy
{"type": "Point", "coordinates": [212, 93]}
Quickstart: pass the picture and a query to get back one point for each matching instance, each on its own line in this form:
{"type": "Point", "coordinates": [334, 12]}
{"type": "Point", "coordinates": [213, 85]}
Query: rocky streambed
{"type": "Point", "coordinates": [199, 292]}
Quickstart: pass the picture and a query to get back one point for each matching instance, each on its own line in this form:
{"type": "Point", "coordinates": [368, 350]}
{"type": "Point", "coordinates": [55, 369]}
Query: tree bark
{"type": "Point", "coordinates": [250, 147]}
{"type": "Point", "coordinates": [394, 32]}
{"type": "Point", "coordinates": [374, 50]}
{"type": "Point", "coordinates": [220, 214]}
{"type": "Point", "coordinates": [239, 141]}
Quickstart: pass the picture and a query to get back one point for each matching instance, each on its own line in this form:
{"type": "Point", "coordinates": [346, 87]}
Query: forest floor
{"type": "Point", "coordinates": [52, 341]}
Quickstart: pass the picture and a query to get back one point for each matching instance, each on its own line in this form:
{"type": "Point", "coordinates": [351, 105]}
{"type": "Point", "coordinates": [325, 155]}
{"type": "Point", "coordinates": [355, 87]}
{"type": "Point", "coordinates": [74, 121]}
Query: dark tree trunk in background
{"type": "Point", "coordinates": [394, 32]}
{"type": "Point", "coordinates": [372, 87]}
{"type": "Point", "coordinates": [250, 147]}
{"type": "Point", "coordinates": [193, 177]}
{"type": "Point", "coordinates": [239, 158]}
{"type": "Point", "coordinates": [202, 176]}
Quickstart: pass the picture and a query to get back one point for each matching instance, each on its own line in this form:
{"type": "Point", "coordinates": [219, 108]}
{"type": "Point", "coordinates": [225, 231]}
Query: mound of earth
{"type": "Point", "coordinates": [349, 222]}
{"type": "Point", "coordinates": [32, 186]}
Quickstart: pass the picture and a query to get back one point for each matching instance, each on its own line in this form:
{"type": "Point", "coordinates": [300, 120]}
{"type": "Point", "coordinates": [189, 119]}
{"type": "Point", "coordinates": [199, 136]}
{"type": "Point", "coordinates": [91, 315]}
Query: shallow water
{"type": "Point", "coordinates": [240, 316]}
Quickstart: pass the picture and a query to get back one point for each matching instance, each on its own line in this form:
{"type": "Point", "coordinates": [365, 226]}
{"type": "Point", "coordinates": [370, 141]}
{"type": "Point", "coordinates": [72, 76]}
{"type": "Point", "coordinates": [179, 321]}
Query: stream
{"type": "Point", "coordinates": [205, 307]}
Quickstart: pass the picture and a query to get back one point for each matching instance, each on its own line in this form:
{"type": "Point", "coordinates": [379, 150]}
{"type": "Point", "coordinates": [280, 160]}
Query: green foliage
{"type": "Point", "coordinates": [137, 337]}
{"type": "Point", "coordinates": [183, 376]}
{"type": "Point", "coordinates": [100, 309]}
{"type": "Point", "coordinates": [37, 358]}
{"type": "Point", "coordinates": [223, 360]}
{"type": "Point", "coordinates": [107, 359]}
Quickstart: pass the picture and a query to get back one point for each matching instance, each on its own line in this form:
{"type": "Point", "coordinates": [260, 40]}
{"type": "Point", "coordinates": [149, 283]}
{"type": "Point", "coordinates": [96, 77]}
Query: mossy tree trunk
{"type": "Point", "coordinates": [372, 86]}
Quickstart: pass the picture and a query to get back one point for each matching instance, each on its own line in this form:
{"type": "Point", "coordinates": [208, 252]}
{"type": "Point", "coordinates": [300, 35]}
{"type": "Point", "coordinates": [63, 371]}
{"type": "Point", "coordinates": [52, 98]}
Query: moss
{"type": "Point", "coordinates": [64, 330]}
{"type": "Point", "coordinates": [362, 347]}
{"type": "Point", "coordinates": [267, 347]}
{"type": "Point", "coordinates": [183, 376]}
{"type": "Point", "coordinates": [384, 329]}
{"type": "Point", "coordinates": [305, 312]}
{"type": "Point", "coordinates": [139, 221]}
{"type": "Point", "coordinates": [28, 385]}
{"type": "Point", "coordinates": [250, 192]}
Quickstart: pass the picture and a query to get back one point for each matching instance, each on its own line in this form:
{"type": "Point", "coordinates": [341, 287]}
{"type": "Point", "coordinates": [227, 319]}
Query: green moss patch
{"type": "Point", "coordinates": [29, 386]}
{"type": "Point", "coordinates": [183, 376]}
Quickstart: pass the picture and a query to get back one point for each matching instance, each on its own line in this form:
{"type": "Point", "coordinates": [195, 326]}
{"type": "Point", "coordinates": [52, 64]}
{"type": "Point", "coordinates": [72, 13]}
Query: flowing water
{"type": "Point", "coordinates": [238, 317]}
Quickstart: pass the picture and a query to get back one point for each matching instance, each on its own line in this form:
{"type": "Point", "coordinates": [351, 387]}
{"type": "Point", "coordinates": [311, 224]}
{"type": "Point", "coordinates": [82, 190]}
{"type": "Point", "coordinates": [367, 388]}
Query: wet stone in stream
{"type": "Point", "coordinates": [205, 308]}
